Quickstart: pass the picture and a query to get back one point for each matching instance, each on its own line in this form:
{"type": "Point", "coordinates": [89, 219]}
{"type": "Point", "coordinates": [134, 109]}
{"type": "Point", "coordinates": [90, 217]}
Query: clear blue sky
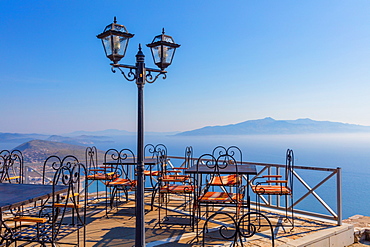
{"type": "Point", "coordinates": [239, 60]}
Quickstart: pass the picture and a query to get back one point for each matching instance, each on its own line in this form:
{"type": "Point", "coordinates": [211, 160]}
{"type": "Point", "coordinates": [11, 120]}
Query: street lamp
{"type": "Point", "coordinates": [115, 40]}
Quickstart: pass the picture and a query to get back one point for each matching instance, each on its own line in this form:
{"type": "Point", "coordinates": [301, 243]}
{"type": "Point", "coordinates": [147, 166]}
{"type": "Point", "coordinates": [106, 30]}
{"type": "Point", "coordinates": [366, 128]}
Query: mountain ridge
{"type": "Point", "coordinates": [269, 125]}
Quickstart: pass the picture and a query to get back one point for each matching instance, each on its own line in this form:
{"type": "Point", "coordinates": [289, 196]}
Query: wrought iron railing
{"type": "Point", "coordinates": [273, 202]}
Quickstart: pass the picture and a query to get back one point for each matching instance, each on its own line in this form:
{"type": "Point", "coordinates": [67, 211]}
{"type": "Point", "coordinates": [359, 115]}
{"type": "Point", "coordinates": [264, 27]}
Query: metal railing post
{"type": "Point", "coordinates": [339, 195]}
{"type": "Point", "coordinates": [269, 196]}
{"type": "Point", "coordinates": [278, 197]}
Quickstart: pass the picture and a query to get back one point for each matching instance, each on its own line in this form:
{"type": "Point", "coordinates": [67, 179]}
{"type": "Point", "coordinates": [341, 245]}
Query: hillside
{"type": "Point", "coordinates": [268, 126]}
{"type": "Point", "coordinates": [36, 151]}
{"type": "Point", "coordinates": [20, 138]}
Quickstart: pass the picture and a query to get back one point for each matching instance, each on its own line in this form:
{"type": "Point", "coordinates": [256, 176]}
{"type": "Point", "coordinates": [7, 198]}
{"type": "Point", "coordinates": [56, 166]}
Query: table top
{"type": "Point", "coordinates": [15, 195]}
{"type": "Point", "coordinates": [130, 161]}
{"type": "Point", "coordinates": [244, 169]}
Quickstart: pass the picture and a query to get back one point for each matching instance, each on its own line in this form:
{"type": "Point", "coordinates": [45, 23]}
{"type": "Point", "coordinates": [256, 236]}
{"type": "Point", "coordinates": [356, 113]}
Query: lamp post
{"type": "Point", "coordinates": [115, 40]}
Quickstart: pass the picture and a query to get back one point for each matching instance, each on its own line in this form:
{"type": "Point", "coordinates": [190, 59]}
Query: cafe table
{"type": "Point", "coordinates": [148, 161]}
{"type": "Point", "coordinates": [16, 195]}
{"type": "Point", "coordinates": [243, 169]}
{"type": "Point", "coordinates": [130, 161]}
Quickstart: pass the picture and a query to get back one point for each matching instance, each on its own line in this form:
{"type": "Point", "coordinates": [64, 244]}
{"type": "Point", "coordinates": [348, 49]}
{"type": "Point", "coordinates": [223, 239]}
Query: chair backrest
{"type": "Point", "coordinates": [51, 165]}
{"type": "Point", "coordinates": [289, 168]}
{"type": "Point", "coordinates": [217, 168]}
{"type": "Point", "coordinates": [11, 166]}
{"type": "Point", "coordinates": [91, 158]}
{"type": "Point", "coordinates": [72, 174]}
{"type": "Point", "coordinates": [158, 152]}
{"type": "Point", "coordinates": [233, 151]}
{"type": "Point", "coordinates": [189, 162]}
{"type": "Point", "coordinates": [122, 163]}
{"type": "Point", "coordinates": [209, 162]}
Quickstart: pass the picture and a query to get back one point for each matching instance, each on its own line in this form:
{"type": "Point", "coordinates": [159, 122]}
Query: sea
{"type": "Point", "coordinates": [350, 152]}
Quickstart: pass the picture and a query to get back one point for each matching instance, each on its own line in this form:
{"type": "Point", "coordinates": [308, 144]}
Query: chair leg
{"type": "Point", "coordinates": [291, 205]}
{"type": "Point", "coordinates": [153, 198]}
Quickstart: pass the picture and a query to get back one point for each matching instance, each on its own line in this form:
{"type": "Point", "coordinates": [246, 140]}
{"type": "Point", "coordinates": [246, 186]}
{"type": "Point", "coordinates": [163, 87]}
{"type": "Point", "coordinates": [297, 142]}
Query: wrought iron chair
{"type": "Point", "coordinates": [279, 185]}
{"type": "Point", "coordinates": [172, 182]}
{"type": "Point", "coordinates": [216, 189]}
{"type": "Point", "coordinates": [124, 180]}
{"type": "Point", "coordinates": [59, 215]}
{"type": "Point", "coordinates": [11, 167]}
{"type": "Point", "coordinates": [96, 173]}
{"type": "Point", "coordinates": [158, 152]}
{"type": "Point", "coordinates": [230, 179]}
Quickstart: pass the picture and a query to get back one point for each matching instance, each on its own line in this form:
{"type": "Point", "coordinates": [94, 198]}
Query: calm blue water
{"type": "Point", "coordinates": [351, 152]}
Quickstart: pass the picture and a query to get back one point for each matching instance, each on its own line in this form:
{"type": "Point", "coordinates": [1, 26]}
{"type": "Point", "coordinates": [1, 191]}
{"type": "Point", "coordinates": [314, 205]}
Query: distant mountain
{"type": "Point", "coordinates": [17, 137]}
{"type": "Point", "coordinates": [37, 151]}
{"type": "Point", "coordinates": [271, 126]}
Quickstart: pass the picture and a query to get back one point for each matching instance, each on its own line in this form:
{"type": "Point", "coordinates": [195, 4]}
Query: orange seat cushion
{"type": "Point", "coordinates": [11, 178]}
{"type": "Point", "coordinates": [97, 170]}
{"type": "Point", "coordinates": [221, 197]}
{"type": "Point", "coordinates": [271, 189]}
{"type": "Point", "coordinates": [225, 180]}
{"type": "Point", "coordinates": [122, 182]}
{"type": "Point", "coordinates": [68, 205]}
{"type": "Point", "coordinates": [177, 189]}
{"type": "Point", "coordinates": [29, 219]}
{"type": "Point", "coordinates": [102, 176]}
{"type": "Point", "coordinates": [175, 178]}
{"type": "Point", "coordinates": [174, 171]}
{"type": "Point", "coordinates": [151, 173]}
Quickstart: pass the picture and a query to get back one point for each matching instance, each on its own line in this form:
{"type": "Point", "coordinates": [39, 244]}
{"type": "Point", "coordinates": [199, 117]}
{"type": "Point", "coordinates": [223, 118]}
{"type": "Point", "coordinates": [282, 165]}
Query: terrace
{"type": "Point", "coordinates": [116, 227]}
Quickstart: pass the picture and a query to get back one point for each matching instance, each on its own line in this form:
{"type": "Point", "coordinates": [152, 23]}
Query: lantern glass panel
{"type": "Point", "coordinates": [115, 45]}
{"type": "Point", "coordinates": [168, 54]}
{"type": "Point", "coordinates": [162, 54]}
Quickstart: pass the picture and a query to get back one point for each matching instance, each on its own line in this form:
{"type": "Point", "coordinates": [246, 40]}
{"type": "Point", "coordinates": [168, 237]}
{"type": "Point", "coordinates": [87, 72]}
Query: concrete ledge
{"type": "Point", "coordinates": [338, 236]}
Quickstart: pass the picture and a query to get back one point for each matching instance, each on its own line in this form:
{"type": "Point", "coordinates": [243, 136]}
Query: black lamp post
{"type": "Point", "coordinates": [115, 41]}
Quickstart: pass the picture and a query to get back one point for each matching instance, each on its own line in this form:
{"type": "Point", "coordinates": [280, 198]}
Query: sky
{"type": "Point", "coordinates": [239, 60]}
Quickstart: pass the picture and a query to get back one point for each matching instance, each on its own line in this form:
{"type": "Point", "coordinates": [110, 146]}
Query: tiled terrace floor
{"type": "Point", "coordinates": [118, 229]}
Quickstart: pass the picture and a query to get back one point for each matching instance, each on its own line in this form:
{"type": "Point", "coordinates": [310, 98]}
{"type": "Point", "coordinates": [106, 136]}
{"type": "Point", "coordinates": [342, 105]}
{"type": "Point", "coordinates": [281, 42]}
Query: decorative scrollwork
{"type": "Point", "coordinates": [207, 160]}
{"type": "Point", "coordinates": [91, 158]}
{"type": "Point", "coordinates": [149, 76]}
{"type": "Point", "coordinates": [111, 155]}
{"type": "Point", "coordinates": [11, 166]}
{"type": "Point", "coordinates": [245, 227]}
{"type": "Point", "coordinates": [233, 151]}
{"type": "Point", "coordinates": [130, 75]}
